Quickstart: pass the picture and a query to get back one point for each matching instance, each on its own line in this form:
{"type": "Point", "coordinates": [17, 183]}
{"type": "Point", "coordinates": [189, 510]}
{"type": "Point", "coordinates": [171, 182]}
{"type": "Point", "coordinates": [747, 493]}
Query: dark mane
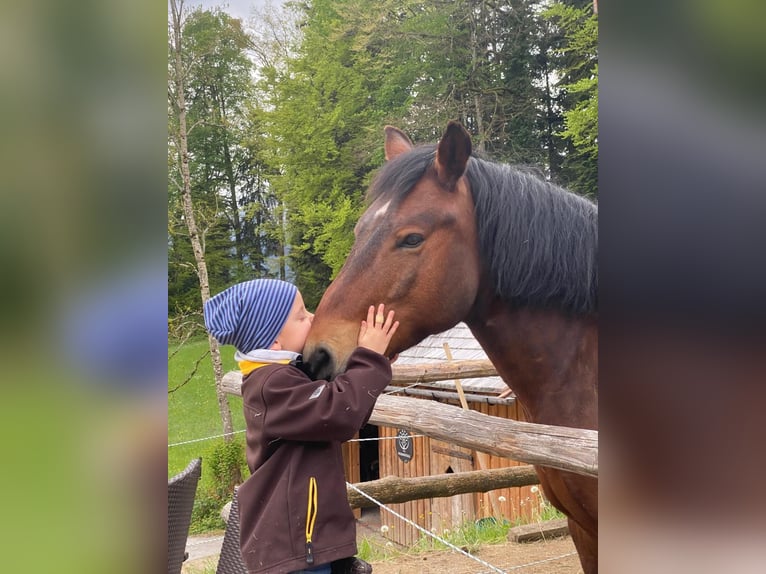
{"type": "Point", "coordinates": [539, 241]}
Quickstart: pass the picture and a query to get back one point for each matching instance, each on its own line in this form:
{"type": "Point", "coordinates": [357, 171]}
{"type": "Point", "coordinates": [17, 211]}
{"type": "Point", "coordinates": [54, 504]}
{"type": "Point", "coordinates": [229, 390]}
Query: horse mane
{"type": "Point", "coordinates": [539, 241]}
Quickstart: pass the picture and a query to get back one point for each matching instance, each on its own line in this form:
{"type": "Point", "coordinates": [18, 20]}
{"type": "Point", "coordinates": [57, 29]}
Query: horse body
{"type": "Point", "coordinates": [445, 240]}
{"type": "Point", "coordinates": [537, 353]}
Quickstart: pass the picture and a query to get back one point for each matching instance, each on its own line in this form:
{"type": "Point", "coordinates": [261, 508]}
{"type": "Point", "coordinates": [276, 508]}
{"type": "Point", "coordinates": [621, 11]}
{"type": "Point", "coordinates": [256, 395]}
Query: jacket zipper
{"type": "Point", "coordinates": [311, 517]}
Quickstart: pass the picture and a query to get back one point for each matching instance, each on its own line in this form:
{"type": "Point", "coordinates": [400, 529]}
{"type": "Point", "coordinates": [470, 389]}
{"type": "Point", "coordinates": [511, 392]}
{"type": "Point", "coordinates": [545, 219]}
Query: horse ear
{"type": "Point", "coordinates": [397, 142]}
{"type": "Point", "coordinates": [452, 154]}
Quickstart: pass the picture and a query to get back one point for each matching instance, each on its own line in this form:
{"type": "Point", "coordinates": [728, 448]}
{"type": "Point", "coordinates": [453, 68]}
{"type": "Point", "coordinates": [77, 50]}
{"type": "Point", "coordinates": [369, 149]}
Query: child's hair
{"type": "Point", "coordinates": [250, 315]}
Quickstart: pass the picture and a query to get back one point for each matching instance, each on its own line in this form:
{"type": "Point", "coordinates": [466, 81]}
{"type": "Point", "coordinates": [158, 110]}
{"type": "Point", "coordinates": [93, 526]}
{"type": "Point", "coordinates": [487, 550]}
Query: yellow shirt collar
{"type": "Point", "coordinates": [248, 367]}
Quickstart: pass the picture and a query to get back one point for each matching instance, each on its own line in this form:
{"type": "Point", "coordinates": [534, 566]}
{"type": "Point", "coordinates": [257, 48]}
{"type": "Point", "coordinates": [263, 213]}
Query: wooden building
{"type": "Point", "coordinates": [368, 460]}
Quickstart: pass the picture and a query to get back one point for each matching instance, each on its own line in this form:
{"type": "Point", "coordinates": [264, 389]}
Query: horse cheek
{"type": "Point", "coordinates": [402, 280]}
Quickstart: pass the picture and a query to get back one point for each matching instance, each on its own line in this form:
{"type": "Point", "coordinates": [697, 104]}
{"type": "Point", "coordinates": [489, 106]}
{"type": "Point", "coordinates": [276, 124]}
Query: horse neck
{"type": "Point", "coordinates": [548, 359]}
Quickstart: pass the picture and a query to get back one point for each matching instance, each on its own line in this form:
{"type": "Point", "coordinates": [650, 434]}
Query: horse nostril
{"type": "Point", "coordinates": [320, 364]}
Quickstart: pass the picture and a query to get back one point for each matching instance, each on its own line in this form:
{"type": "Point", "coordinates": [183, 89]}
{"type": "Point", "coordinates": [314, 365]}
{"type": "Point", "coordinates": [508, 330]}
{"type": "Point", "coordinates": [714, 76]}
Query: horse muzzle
{"type": "Point", "coordinates": [320, 364]}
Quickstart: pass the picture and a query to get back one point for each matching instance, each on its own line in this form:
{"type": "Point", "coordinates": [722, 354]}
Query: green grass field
{"type": "Point", "coordinates": [193, 408]}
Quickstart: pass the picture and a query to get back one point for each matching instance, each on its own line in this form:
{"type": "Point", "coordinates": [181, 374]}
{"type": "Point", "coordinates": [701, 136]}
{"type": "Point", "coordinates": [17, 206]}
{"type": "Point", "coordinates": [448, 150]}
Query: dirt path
{"type": "Point", "coordinates": [509, 557]}
{"type": "Point", "coordinates": [553, 556]}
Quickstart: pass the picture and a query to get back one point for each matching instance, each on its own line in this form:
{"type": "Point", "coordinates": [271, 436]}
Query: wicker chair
{"type": "Point", "coordinates": [230, 561]}
{"type": "Point", "coordinates": [181, 490]}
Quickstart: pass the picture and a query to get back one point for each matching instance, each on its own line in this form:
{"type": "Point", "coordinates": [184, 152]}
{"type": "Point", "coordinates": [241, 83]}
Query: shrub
{"type": "Point", "coordinates": [223, 468]}
{"type": "Point", "coordinates": [225, 462]}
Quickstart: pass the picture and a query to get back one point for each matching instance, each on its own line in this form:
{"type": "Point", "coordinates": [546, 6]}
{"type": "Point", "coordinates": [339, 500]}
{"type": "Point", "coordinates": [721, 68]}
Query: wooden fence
{"type": "Point", "coordinates": [393, 489]}
{"type": "Point", "coordinates": [564, 448]}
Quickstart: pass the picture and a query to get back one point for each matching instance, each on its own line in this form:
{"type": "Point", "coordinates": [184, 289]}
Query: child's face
{"type": "Point", "coordinates": [294, 332]}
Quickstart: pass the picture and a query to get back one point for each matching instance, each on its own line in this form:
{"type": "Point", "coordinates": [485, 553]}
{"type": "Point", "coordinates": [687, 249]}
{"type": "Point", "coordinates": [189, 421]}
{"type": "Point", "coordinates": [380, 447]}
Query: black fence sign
{"type": "Point", "coordinates": [404, 445]}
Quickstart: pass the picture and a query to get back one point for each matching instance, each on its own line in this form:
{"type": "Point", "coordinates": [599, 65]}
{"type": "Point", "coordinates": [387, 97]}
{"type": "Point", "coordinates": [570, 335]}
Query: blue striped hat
{"type": "Point", "coordinates": [250, 315]}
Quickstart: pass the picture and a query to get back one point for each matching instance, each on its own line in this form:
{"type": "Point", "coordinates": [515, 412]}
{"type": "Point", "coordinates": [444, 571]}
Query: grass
{"type": "Point", "coordinates": [208, 566]}
{"type": "Point", "coordinates": [193, 408]}
{"type": "Point", "coordinates": [193, 414]}
{"type": "Point", "coordinates": [469, 536]}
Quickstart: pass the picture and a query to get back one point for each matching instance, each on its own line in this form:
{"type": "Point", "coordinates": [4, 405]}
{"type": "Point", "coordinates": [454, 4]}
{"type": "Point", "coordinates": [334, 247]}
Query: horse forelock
{"type": "Point", "coordinates": [398, 176]}
{"type": "Point", "coordinates": [539, 241]}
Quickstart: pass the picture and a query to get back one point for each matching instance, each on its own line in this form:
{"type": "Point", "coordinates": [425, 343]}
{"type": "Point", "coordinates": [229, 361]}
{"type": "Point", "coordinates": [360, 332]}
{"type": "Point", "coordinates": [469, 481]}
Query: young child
{"type": "Point", "coordinates": [294, 513]}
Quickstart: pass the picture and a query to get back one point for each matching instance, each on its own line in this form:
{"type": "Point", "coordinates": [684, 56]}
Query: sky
{"type": "Point", "coordinates": [238, 8]}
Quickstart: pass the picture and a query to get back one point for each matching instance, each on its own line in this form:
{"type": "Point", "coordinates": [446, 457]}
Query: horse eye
{"type": "Point", "coordinates": [412, 240]}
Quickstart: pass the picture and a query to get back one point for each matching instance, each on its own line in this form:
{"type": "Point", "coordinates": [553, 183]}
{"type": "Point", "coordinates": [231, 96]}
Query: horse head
{"type": "Point", "coordinates": [415, 250]}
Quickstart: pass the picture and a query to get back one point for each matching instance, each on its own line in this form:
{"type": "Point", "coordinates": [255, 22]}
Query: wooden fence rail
{"type": "Point", "coordinates": [408, 374]}
{"type": "Point", "coordinates": [564, 448]}
{"type": "Point", "coordinates": [393, 489]}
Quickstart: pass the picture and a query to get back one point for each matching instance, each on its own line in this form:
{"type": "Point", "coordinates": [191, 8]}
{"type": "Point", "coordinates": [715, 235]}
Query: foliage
{"type": "Point", "coordinates": [234, 206]}
{"type": "Point", "coordinates": [288, 118]}
{"type": "Point", "coordinates": [578, 54]}
{"type": "Point", "coordinates": [323, 122]}
{"type": "Point", "coordinates": [226, 462]}
{"type": "Point", "coordinates": [206, 513]}
{"type": "Point", "coordinates": [582, 121]}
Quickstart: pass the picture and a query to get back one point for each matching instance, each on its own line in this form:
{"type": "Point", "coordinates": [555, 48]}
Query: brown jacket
{"type": "Point", "coordinates": [295, 427]}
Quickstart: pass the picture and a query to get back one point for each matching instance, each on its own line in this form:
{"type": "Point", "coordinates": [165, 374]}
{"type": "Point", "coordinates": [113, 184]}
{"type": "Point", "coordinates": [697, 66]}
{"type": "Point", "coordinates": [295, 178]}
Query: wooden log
{"type": "Point", "coordinates": [447, 395]}
{"type": "Point", "coordinates": [539, 531]}
{"type": "Point", "coordinates": [564, 448]}
{"type": "Point", "coordinates": [423, 373]}
{"type": "Point", "coordinates": [392, 489]}
{"type": "Point", "coordinates": [225, 512]}
{"type": "Point", "coordinates": [429, 372]}
{"type": "Point", "coordinates": [232, 383]}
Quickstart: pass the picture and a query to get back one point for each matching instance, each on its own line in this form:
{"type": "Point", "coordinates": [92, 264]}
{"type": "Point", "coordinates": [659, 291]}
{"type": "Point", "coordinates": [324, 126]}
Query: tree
{"type": "Point", "coordinates": [323, 119]}
{"type": "Point", "coordinates": [179, 136]}
{"type": "Point", "coordinates": [577, 52]}
{"type": "Point", "coordinates": [330, 84]}
{"type": "Point", "coordinates": [237, 212]}
{"type": "Point", "coordinates": [230, 173]}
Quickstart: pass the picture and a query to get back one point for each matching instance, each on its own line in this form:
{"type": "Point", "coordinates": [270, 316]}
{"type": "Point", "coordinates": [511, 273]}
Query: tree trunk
{"type": "Point", "coordinates": [188, 209]}
{"type": "Point", "coordinates": [282, 242]}
{"type": "Point", "coordinates": [475, 26]}
{"type": "Point", "coordinates": [229, 165]}
{"type": "Point", "coordinates": [553, 161]}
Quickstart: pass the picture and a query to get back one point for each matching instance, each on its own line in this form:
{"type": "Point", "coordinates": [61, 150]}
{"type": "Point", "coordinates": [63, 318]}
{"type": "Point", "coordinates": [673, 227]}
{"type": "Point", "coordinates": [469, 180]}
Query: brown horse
{"type": "Point", "coordinates": [449, 237]}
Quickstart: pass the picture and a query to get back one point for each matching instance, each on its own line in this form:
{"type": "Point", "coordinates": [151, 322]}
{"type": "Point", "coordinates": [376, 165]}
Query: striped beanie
{"type": "Point", "coordinates": [250, 315]}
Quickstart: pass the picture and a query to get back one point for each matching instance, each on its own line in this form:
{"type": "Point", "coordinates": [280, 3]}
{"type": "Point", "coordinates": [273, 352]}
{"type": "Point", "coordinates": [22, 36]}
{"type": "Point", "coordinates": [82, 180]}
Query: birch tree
{"type": "Point", "coordinates": [179, 144]}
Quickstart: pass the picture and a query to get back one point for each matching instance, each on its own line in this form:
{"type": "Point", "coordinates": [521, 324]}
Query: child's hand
{"type": "Point", "coordinates": [377, 330]}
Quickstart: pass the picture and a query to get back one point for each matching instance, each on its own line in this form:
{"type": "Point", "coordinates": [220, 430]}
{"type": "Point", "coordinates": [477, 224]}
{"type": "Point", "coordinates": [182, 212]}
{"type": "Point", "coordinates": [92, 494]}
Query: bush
{"type": "Point", "coordinates": [223, 468]}
{"type": "Point", "coordinates": [225, 462]}
{"type": "Point", "coordinates": [206, 514]}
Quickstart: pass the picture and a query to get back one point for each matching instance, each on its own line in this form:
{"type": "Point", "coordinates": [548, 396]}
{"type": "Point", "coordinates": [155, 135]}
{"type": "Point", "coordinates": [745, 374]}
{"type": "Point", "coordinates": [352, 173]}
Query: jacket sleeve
{"type": "Point", "coordinates": [303, 410]}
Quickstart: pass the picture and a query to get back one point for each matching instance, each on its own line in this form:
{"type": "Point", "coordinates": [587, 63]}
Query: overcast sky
{"type": "Point", "coordinates": [238, 8]}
